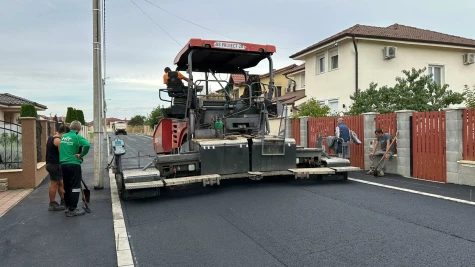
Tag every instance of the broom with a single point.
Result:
(86, 196)
(376, 171)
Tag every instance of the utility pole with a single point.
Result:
(97, 103)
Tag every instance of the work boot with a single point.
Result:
(380, 173)
(370, 172)
(54, 206)
(75, 212)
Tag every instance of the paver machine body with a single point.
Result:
(206, 140)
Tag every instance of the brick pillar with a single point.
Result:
(44, 138)
(304, 131)
(28, 145)
(404, 143)
(52, 125)
(454, 143)
(368, 136)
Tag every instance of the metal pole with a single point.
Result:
(97, 77)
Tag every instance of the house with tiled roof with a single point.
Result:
(10, 106)
(350, 60)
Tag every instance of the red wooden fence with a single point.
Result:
(388, 123)
(428, 145)
(296, 131)
(326, 127)
(469, 134)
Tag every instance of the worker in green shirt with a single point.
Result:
(72, 149)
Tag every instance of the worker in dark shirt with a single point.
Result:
(53, 167)
(385, 140)
(342, 132)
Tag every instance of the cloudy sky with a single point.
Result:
(46, 45)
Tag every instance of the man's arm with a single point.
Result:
(85, 145)
(56, 142)
(183, 77)
(337, 132)
(375, 146)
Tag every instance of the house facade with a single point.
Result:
(350, 60)
(10, 106)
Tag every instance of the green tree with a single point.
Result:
(313, 109)
(28, 110)
(137, 120)
(80, 116)
(70, 115)
(469, 97)
(154, 116)
(414, 91)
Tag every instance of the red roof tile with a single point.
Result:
(279, 70)
(237, 78)
(394, 32)
(298, 68)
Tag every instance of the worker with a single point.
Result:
(342, 133)
(165, 76)
(53, 167)
(385, 140)
(72, 149)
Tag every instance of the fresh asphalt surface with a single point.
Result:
(30, 235)
(296, 223)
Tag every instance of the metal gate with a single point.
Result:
(428, 159)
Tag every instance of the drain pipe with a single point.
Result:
(356, 65)
(293, 89)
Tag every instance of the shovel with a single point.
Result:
(376, 171)
(86, 196)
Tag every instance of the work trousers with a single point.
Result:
(377, 157)
(72, 177)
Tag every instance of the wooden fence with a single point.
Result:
(326, 126)
(429, 146)
(296, 131)
(469, 134)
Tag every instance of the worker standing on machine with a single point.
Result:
(342, 133)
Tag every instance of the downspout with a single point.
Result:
(293, 90)
(356, 65)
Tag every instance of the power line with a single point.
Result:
(189, 21)
(155, 22)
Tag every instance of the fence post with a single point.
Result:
(288, 128)
(369, 120)
(304, 131)
(454, 143)
(29, 153)
(44, 138)
(52, 125)
(404, 142)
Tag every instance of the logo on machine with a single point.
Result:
(229, 45)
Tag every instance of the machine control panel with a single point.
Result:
(118, 147)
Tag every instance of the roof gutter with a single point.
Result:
(356, 65)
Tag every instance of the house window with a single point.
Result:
(302, 80)
(333, 104)
(437, 72)
(320, 64)
(333, 54)
(322, 103)
(278, 91)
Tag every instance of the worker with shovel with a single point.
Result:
(387, 150)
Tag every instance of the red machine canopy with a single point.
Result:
(222, 56)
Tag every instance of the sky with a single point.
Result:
(46, 45)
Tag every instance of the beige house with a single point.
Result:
(350, 60)
(10, 106)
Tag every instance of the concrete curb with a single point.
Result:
(122, 245)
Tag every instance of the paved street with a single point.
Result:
(30, 235)
(300, 223)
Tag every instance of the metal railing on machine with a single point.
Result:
(10, 146)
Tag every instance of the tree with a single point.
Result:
(313, 109)
(137, 120)
(28, 110)
(80, 116)
(70, 115)
(414, 91)
(154, 116)
(469, 97)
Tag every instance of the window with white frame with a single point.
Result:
(320, 66)
(437, 72)
(333, 55)
(322, 103)
(302, 80)
(333, 104)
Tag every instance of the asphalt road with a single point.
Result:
(296, 223)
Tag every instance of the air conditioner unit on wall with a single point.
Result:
(469, 58)
(389, 52)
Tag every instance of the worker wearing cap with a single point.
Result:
(342, 132)
(165, 76)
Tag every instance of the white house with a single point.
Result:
(349, 60)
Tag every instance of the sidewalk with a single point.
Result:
(30, 235)
(447, 190)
